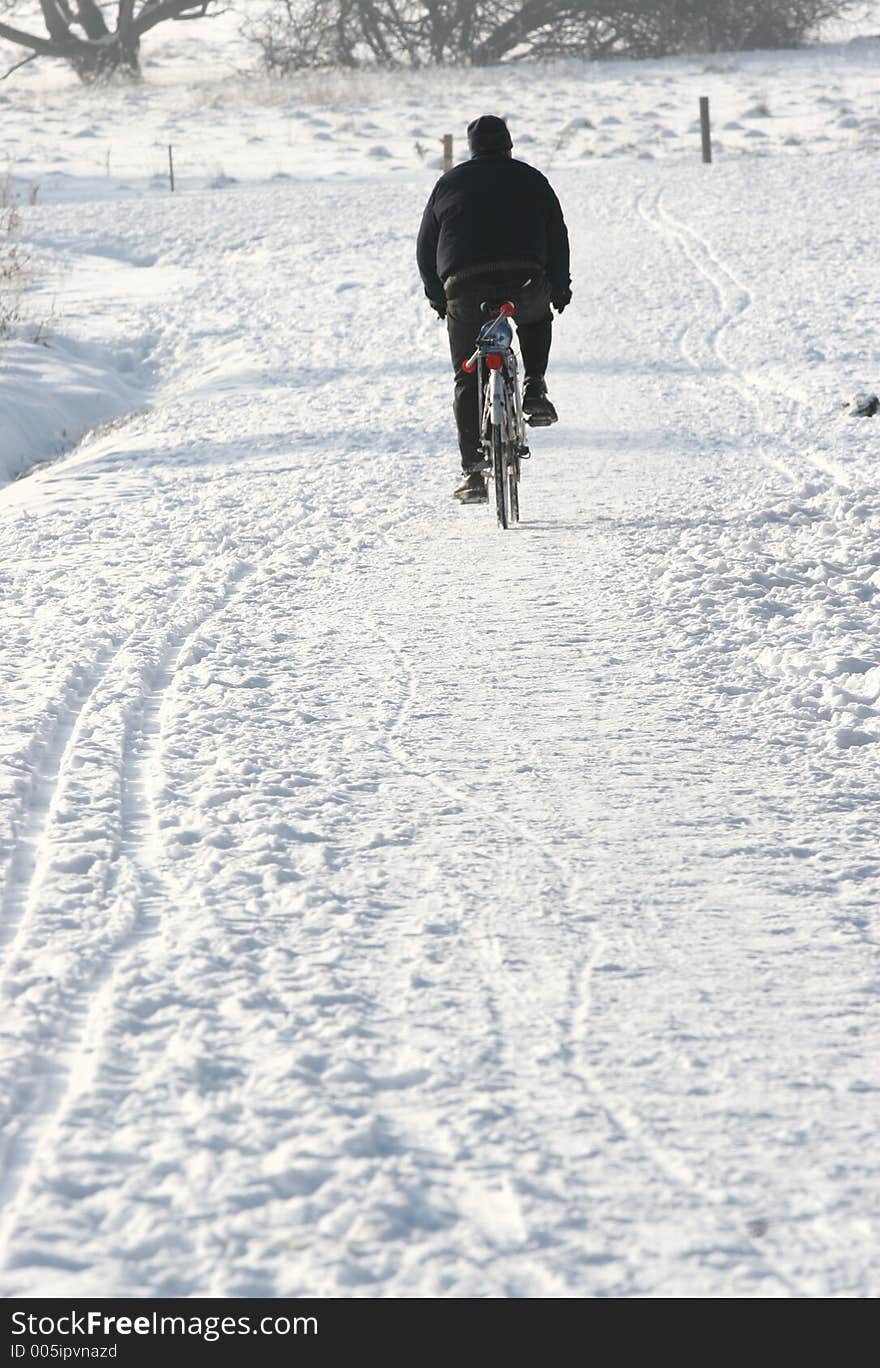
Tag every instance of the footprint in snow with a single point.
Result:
(847, 737)
(847, 665)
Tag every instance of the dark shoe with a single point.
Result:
(472, 488)
(536, 406)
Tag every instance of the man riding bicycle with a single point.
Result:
(492, 230)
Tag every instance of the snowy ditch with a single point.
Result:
(57, 386)
(53, 393)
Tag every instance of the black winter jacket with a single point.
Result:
(492, 209)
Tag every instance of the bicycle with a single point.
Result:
(499, 404)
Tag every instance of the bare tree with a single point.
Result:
(298, 34)
(77, 32)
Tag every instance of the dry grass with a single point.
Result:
(13, 261)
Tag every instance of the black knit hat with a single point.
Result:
(488, 134)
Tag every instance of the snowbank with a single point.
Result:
(53, 392)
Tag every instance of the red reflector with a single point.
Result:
(494, 361)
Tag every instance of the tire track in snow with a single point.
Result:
(676, 1172)
(735, 301)
(501, 987)
(492, 955)
(138, 893)
(572, 1024)
(835, 498)
(29, 861)
(619, 1113)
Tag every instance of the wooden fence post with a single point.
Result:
(171, 167)
(447, 151)
(705, 129)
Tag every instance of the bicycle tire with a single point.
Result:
(501, 442)
(499, 470)
(513, 489)
(513, 469)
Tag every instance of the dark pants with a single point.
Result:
(534, 325)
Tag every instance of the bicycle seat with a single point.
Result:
(491, 309)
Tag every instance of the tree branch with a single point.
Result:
(56, 25)
(24, 61)
(125, 17)
(92, 20)
(157, 12)
(41, 47)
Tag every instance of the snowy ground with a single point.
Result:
(396, 907)
(61, 141)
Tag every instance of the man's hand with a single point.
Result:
(439, 307)
(561, 300)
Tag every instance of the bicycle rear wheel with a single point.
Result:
(502, 442)
(499, 470)
(513, 489)
(512, 444)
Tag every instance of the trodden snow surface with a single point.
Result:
(395, 906)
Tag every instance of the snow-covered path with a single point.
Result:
(398, 907)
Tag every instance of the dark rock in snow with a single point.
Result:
(863, 405)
